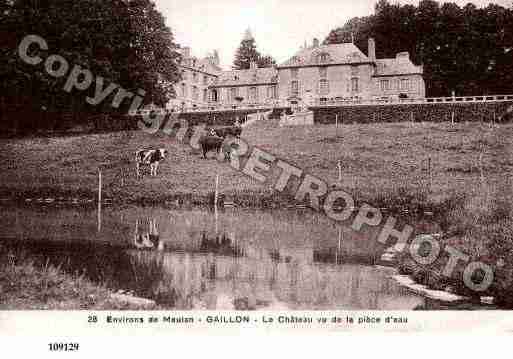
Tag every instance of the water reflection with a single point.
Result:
(147, 235)
(195, 260)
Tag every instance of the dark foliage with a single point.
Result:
(467, 50)
(124, 42)
(248, 53)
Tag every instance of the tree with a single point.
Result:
(124, 41)
(248, 53)
(467, 50)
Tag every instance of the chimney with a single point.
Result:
(253, 65)
(186, 51)
(315, 42)
(372, 50)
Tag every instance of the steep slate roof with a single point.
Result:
(266, 75)
(345, 53)
(348, 53)
(397, 66)
(203, 65)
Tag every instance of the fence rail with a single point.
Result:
(334, 102)
(428, 100)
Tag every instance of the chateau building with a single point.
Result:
(343, 72)
(315, 75)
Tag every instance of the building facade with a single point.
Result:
(246, 87)
(315, 75)
(342, 72)
(197, 75)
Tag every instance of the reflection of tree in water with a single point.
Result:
(147, 235)
(335, 256)
(220, 244)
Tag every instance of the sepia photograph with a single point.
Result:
(237, 158)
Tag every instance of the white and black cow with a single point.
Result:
(150, 158)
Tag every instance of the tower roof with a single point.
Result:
(248, 35)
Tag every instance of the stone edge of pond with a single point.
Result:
(126, 299)
(390, 258)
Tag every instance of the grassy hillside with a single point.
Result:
(376, 159)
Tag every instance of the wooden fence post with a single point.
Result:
(216, 196)
(99, 200)
(336, 125)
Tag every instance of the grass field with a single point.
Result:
(377, 160)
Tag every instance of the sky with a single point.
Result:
(279, 27)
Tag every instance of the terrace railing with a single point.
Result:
(333, 102)
(392, 101)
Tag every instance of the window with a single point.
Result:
(272, 92)
(323, 72)
(405, 84)
(354, 84)
(205, 80)
(234, 92)
(213, 95)
(205, 95)
(294, 73)
(184, 90)
(195, 93)
(324, 57)
(324, 87)
(253, 94)
(384, 85)
(294, 88)
(355, 70)
(184, 75)
(194, 77)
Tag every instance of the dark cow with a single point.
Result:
(224, 132)
(212, 143)
(150, 158)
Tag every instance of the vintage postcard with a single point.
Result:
(301, 166)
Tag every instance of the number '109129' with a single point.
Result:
(63, 347)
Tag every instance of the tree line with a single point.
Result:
(466, 50)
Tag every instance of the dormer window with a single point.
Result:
(323, 57)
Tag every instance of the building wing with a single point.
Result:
(254, 76)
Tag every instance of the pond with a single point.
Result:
(200, 259)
